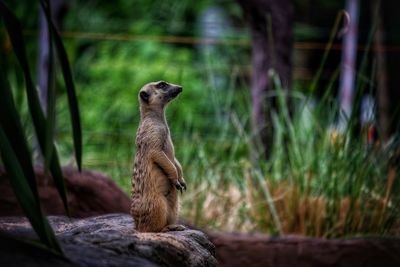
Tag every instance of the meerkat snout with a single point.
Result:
(175, 91)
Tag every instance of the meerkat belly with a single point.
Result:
(160, 181)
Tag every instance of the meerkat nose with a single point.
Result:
(180, 88)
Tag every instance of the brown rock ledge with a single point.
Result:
(106, 240)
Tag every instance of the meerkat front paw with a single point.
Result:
(182, 182)
(180, 185)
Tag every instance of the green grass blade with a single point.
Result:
(328, 48)
(51, 99)
(69, 84)
(14, 30)
(267, 194)
(25, 196)
(12, 127)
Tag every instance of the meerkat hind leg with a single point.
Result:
(174, 227)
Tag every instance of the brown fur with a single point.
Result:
(157, 174)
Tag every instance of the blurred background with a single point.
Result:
(288, 122)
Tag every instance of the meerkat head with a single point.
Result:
(157, 95)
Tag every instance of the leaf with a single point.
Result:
(51, 99)
(25, 196)
(14, 30)
(12, 127)
(69, 84)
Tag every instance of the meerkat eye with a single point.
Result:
(144, 96)
(162, 85)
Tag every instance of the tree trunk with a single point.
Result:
(271, 33)
(348, 65)
(381, 74)
(58, 8)
(390, 24)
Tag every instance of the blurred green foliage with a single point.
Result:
(109, 74)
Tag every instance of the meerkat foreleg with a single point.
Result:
(162, 160)
(180, 174)
(178, 167)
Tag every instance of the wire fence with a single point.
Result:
(193, 40)
(303, 73)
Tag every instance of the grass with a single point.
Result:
(318, 182)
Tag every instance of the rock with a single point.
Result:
(107, 240)
(89, 194)
(261, 250)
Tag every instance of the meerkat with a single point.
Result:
(157, 174)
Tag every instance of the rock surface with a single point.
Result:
(89, 194)
(265, 251)
(104, 241)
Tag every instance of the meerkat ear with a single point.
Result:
(144, 96)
